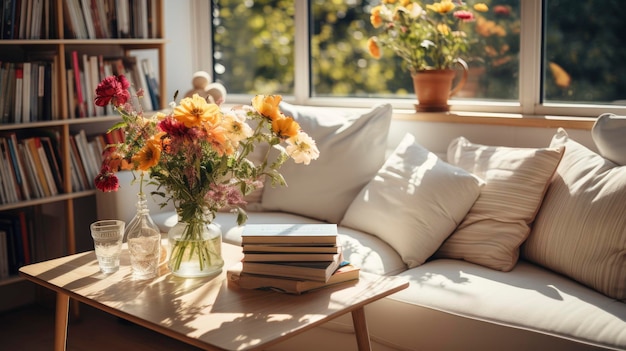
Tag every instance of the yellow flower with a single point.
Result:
(194, 111)
(405, 3)
(442, 7)
(481, 7)
(443, 28)
(149, 155)
(373, 48)
(375, 18)
(285, 127)
(267, 105)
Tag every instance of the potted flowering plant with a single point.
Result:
(430, 39)
(197, 155)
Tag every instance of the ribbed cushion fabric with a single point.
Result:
(580, 230)
(414, 202)
(516, 180)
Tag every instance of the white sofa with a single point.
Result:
(404, 211)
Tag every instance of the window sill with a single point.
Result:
(501, 119)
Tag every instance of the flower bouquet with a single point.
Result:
(197, 155)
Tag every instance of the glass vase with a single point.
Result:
(195, 248)
(144, 242)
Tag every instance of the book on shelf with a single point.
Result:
(32, 153)
(10, 95)
(36, 190)
(345, 273)
(4, 255)
(18, 164)
(17, 240)
(19, 87)
(81, 107)
(54, 159)
(308, 233)
(316, 270)
(78, 169)
(290, 248)
(9, 172)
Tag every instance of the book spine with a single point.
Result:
(4, 256)
(80, 102)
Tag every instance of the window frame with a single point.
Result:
(529, 105)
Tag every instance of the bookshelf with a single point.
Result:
(46, 37)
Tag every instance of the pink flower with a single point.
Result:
(464, 15)
(502, 10)
(112, 89)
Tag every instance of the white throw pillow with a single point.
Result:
(352, 148)
(414, 202)
(609, 135)
(580, 230)
(516, 180)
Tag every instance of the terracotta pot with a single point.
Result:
(433, 88)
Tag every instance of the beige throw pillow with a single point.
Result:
(580, 230)
(414, 202)
(516, 180)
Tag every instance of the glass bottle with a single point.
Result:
(144, 242)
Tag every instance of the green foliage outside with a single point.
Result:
(587, 41)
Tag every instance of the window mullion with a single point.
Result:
(301, 52)
(530, 56)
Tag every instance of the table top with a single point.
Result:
(206, 312)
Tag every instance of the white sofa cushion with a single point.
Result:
(609, 135)
(516, 180)
(352, 148)
(455, 305)
(580, 230)
(414, 202)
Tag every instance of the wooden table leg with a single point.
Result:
(60, 325)
(360, 329)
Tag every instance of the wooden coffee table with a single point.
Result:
(205, 312)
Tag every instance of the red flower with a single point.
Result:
(112, 89)
(174, 128)
(107, 180)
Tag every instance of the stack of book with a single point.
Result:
(291, 258)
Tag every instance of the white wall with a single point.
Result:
(179, 49)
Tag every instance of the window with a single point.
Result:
(584, 55)
(573, 68)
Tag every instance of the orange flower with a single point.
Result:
(285, 127)
(375, 18)
(194, 111)
(373, 48)
(561, 77)
(267, 105)
(149, 155)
